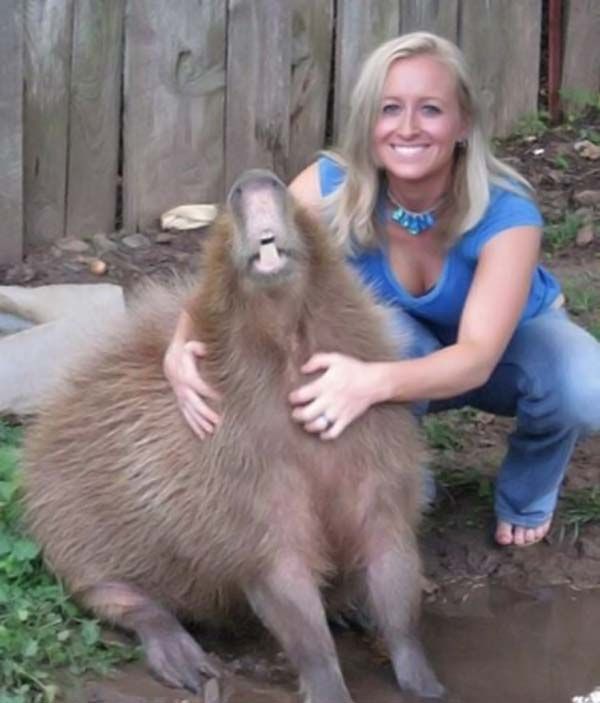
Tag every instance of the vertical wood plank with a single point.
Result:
(94, 117)
(312, 43)
(11, 132)
(259, 59)
(437, 16)
(48, 31)
(174, 106)
(581, 64)
(501, 41)
(361, 26)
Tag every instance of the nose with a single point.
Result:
(254, 181)
(408, 123)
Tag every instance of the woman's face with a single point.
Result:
(419, 122)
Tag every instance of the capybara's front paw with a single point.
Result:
(179, 661)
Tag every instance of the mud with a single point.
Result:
(488, 644)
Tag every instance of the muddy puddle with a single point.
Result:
(488, 645)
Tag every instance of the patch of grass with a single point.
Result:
(41, 630)
(466, 481)
(561, 162)
(591, 135)
(583, 298)
(580, 507)
(441, 433)
(533, 124)
(560, 235)
(594, 329)
(577, 101)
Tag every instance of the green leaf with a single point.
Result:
(25, 550)
(90, 632)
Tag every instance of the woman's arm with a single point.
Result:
(306, 188)
(492, 311)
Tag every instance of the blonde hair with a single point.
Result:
(351, 208)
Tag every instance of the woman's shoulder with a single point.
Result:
(514, 202)
(318, 180)
(509, 206)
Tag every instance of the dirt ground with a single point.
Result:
(457, 546)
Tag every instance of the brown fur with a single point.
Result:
(119, 489)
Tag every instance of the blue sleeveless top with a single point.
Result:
(440, 307)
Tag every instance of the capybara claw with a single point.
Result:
(180, 662)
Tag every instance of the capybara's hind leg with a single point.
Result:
(172, 654)
(288, 602)
(393, 585)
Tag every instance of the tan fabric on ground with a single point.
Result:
(62, 316)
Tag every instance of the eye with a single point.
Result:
(431, 110)
(390, 108)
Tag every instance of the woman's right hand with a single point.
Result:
(179, 366)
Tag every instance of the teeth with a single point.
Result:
(408, 149)
(268, 255)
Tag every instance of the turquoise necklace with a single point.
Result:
(413, 222)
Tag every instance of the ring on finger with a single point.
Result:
(326, 421)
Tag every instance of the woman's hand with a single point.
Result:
(179, 366)
(344, 391)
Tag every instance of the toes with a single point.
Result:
(520, 536)
(504, 533)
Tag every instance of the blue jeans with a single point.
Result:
(549, 380)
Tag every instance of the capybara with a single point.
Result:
(148, 525)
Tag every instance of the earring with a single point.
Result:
(462, 144)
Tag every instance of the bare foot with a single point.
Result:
(507, 534)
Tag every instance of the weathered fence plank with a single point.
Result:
(259, 60)
(501, 41)
(48, 30)
(438, 16)
(174, 106)
(581, 65)
(361, 26)
(312, 27)
(94, 121)
(11, 132)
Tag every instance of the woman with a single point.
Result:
(449, 238)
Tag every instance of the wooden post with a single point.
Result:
(48, 34)
(554, 58)
(361, 27)
(11, 132)
(94, 121)
(312, 42)
(174, 106)
(259, 61)
(501, 42)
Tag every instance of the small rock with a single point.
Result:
(587, 197)
(585, 235)
(97, 267)
(513, 161)
(136, 241)
(588, 548)
(73, 245)
(538, 152)
(164, 238)
(102, 242)
(587, 149)
(19, 273)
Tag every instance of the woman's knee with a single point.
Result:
(561, 374)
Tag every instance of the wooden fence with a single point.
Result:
(129, 107)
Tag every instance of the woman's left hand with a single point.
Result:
(344, 391)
